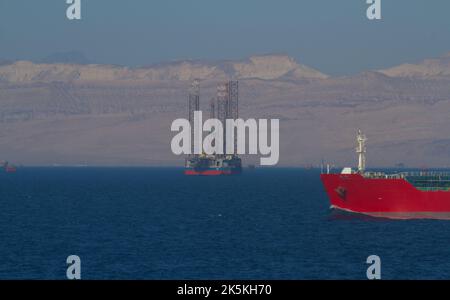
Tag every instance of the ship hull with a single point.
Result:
(380, 197)
(211, 172)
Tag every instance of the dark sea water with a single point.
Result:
(147, 223)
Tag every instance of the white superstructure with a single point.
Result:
(361, 151)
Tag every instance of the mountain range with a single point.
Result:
(267, 67)
(66, 113)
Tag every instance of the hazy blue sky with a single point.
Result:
(330, 35)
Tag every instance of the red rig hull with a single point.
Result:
(219, 172)
(381, 197)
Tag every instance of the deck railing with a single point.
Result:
(401, 175)
(423, 180)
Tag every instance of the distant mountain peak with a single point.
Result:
(273, 66)
(427, 68)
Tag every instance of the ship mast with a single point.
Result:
(361, 151)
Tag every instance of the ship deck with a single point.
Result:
(424, 180)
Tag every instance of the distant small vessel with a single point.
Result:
(9, 168)
(402, 195)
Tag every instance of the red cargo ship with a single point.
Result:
(401, 195)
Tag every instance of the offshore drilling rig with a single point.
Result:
(224, 106)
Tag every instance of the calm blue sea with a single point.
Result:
(149, 223)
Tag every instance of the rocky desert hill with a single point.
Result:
(59, 113)
(429, 67)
